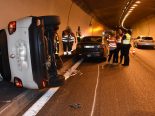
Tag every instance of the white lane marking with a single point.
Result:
(40, 103)
(94, 101)
(36, 107)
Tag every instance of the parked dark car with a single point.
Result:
(144, 41)
(92, 46)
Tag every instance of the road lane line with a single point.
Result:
(94, 101)
(36, 107)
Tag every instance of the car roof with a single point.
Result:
(144, 36)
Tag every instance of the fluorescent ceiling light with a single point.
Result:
(135, 5)
(138, 2)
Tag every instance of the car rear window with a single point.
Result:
(147, 38)
(92, 39)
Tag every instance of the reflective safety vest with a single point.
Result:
(68, 38)
(112, 44)
(119, 40)
(128, 39)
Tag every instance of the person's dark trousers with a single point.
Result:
(118, 49)
(65, 44)
(122, 53)
(115, 56)
(70, 44)
(111, 54)
(126, 54)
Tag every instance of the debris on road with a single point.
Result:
(75, 106)
(75, 72)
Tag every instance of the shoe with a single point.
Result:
(108, 63)
(65, 53)
(115, 63)
(69, 53)
(125, 64)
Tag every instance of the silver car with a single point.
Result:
(144, 41)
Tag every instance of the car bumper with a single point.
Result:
(92, 54)
(146, 44)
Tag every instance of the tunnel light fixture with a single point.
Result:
(138, 2)
(135, 5)
(129, 11)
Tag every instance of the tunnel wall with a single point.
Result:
(73, 16)
(145, 27)
(16, 9)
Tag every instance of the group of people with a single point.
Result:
(119, 43)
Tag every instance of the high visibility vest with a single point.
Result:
(128, 39)
(119, 40)
(112, 44)
(68, 38)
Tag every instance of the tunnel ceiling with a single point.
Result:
(110, 12)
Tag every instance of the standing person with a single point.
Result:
(56, 43)
(68, 38)
(126, 40)
(112, 47)
(119, 35)
(78, 34)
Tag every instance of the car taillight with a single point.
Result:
(18, 82)
(44, 83)
(12, 27)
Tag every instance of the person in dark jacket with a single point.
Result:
(119, 35)
(126, 40)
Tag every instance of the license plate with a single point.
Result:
(88, 46)
(88, 55)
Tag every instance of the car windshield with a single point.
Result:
(92, 39)
(147, 38)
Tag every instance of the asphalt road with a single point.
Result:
(8, 92)
(101, 89)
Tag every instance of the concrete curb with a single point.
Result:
(22, 100)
